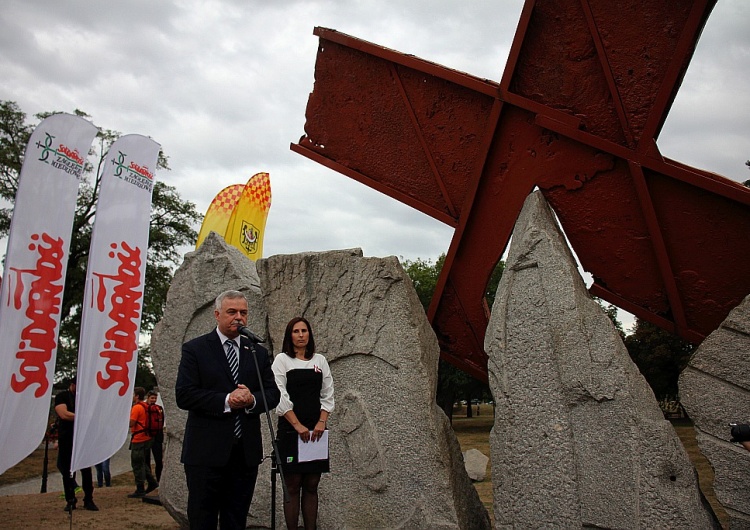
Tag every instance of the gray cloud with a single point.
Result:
(223, 87)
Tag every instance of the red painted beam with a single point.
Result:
(586, 89)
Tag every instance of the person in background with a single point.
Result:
(103, 476)
(65, 407)
(140, 445)
(220, 387)
(157, 447)
(306, 386)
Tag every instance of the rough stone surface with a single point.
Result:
(395, 461)
(578, 439)
(715, 390)
(475, 463)
(204, 274)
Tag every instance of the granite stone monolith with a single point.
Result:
(395, 461)
(578, 440)
(715, 391)
(204, 274)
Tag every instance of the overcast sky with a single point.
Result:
(223, 86)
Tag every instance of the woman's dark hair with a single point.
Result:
(288, 345)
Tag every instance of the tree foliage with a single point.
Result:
(424, 275)
(453, 384)
(172, 225)
(659, 355)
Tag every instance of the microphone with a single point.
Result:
(245, 332)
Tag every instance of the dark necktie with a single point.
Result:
(234, 365)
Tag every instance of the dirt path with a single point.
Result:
(23, 507)
(44, 511)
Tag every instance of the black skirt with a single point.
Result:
(303, 387)
(287, 442)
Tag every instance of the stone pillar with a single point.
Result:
(212, 269)
(395, 461)
(578, 440)
(715, 390)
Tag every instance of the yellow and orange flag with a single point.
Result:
(219, 211)
(239, 213)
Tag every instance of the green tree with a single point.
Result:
(171, 226)
(424, 275)
(659, 355)
(144, 373)
(452, 382)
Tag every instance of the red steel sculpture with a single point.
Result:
(585, 92)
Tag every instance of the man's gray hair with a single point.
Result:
(232, 295)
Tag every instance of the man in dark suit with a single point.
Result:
(217, 383)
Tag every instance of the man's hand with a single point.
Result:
(241, 397)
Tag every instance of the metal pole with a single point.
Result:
(274, 469)
(277, 457)
(44, 465)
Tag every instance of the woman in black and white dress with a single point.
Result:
(304, 379)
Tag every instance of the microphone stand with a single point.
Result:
(276, 455)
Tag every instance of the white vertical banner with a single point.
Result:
(34, 279)
(113, 301)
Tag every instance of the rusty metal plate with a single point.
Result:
(586, 90)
